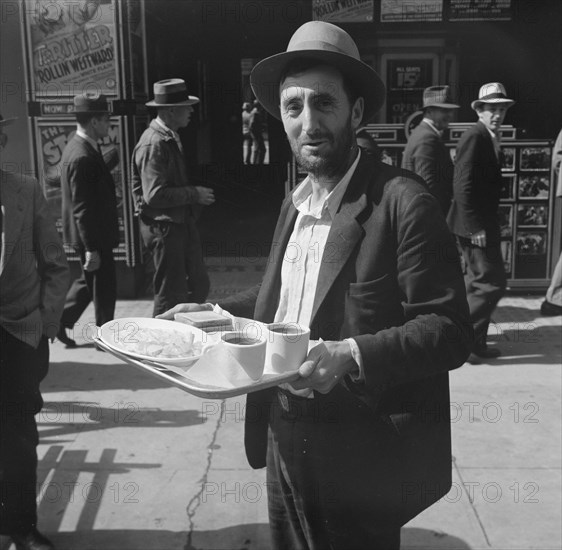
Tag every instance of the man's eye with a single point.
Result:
(324, 103)
(292, 107)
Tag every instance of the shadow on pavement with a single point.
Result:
(61, 487)
(59, 418)
(524, 337)
(119, 540)
(412, 538)
(239, 537)
(70, 375)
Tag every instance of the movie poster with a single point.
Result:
(480, 10)
(406, 80)
(342, 11)
(409, 11)
(73, 47)
(52, 135)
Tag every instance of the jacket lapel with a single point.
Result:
(13, 207)
(344, 234)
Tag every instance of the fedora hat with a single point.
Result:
(438, 96)
(90, 102)
(171, 92)
(493, 92)
(6, 121)
(327, 44)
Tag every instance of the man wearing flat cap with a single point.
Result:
(33, 283)
(425, 152)
(89, 215)
(473, 216)
(164, 200)
(360, 442)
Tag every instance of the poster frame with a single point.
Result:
(28, 7)
(121, 252)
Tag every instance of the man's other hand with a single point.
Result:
(324, 366)
(93, 261)
(206, 195)
(184, 308)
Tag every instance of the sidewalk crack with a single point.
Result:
(474, 510)
(195, 501)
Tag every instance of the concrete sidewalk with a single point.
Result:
(128, 463)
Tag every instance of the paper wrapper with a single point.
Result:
(218, 367)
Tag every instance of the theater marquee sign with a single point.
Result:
(72, 46)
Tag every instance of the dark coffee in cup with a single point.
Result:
(240, 340)
(287, 330)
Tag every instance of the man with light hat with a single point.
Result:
(360, 442)
(89, 215)
(425, 152)
(473, 216)
(164, 199)
(33, 283)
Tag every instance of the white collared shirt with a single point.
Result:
(303, 257)
(91, 141)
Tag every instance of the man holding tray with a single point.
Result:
(360, 443)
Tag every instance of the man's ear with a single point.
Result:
(357, 113)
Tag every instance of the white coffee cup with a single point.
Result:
(287, 346)
(248, 350)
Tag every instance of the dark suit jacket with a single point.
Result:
(33, 270)
(390, 277)
(89, 206)
(427, 156)
(476, 185)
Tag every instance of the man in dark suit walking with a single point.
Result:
(360, 443)
(473, 216)
(89, 215)
(425, 153)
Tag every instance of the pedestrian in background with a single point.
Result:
(552, 303)
(247, 140)
(473, 216)
(360, 443)
(257, 127)
(164, 200)
(425, 153)
(33, 282)
(89, 215)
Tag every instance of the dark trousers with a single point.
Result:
(309, 514)
(22, 368)
(99, 286)
(258, 155)
(180, 274)
(485, 282)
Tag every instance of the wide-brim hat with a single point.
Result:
(493, 92)
(327, 44)
(171, 92)
(438, 96)
(7, 121)
(91, 102)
